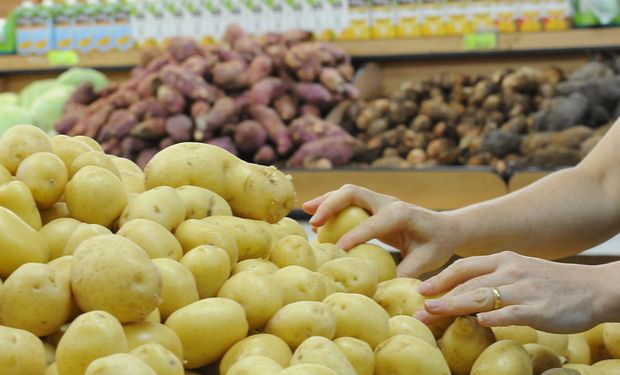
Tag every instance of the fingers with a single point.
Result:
(479, 300)
(310, 206)
(509, 315)
(375, 226)
(421, 260)
(332, 203)
(457, 273)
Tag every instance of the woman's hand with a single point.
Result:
(425, 238)
(548, 296)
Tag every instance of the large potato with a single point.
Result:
(296, 322)
(408, 325)
(162, 205)
(201, 202)
(354, 275)
(358, 353)
(341, 223)
(321, 351)
(119, 364)
(324, 252)
(19, 142)
(253, 237)
(210, 266)
(521, 334)
(578, 349)
(88, 189)
(264, 345)
(21, 352)
(125, 165)
(62, 270)
(133, 182)
(287, 226)
(598, 350)
(93, 158)
(207, 329)
(506, 357)
(57, 233)
(255, 365)
(542, 357)
(5, 175)
(400, 296)
(556, 342)
(254, 264)
(404, 355)
(36, 299)
(360, 317)
(153, 238)
(144, 332)
(379, 257)
(57, 211)
(258, 292)
(68, 148)
(81, 233)
(51, 370)
(580, 368)
(611, 338)
(463, 342)
(45, 175)
(16, 197)
(19, 243)
(111, 273)
(92, 335)
(178, 286)
(300, 284)
(88, 141)
(253, 191)
(193, 233)
(293, 250)
(606, 367)
(307, 369)
(158, 358)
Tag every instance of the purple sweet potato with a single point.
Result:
(200, 65)
(124, 98)
(179, 128)
(310, 128)
(346, 70)
(224, 142)
(148, 86)
(165, 142)
(232, 33)
(66, 123)
(250, 136)
(266, 90)
(147, 108)
(332, 79)
(145, 156)
(266, 155)
(286, 108)
(247, 47)
(119, 124)
(230, 75)
(91, 123)
(187, 83)
(171, 99)
(338, 150)
(84, 94)
(310, 110)
(260, 67)
(151, 128)
(112, 147)
(223, 111)
(271, 122)
(296, 36)
(182, 48)
(313, 93)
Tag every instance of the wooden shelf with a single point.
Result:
(520, 180)
(100, 60)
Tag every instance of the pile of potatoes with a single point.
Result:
(192, 267)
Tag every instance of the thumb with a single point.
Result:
(419, 261)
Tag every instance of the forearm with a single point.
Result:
(607, 286)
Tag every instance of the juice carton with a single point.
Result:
(591, 13)
(433, 21)
(34, 28)
(86, 28)
(482, 19)
(458, 21)
(172, 20)
(106, 22)
(407, 19)
(231, 14)
(557, 15)
(359, 21)
(64, 26)
(531, 12)
(383, 26)
(137, 21)
(153, 22)
(506, 14)
(340, 16)
(209, 21)
(121, 29)
(252, 12)
(332, 19)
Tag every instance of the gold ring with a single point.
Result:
(497, 299)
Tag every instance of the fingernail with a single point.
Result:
(482, 317)
(312, 220)
(432, 305)
(424, 287)
(420, 315)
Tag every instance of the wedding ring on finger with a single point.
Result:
(497, 299)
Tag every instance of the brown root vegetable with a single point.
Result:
(84, 94)
(187, 83)
(91, 123)
(416, 157)
(147, 108)
(131, 147)
(338, 150)
(170, 99)
(307, 129)
(222, 112)
(148, 86)
(296, 36)
(182, 48)
(119, 124)
(571, 137)
(150, 128)
(224, 142)
(165, 142)
(271, 122)
(310, 110)
(66, 123)
(112, 147)
(266, 90)
(230, 75)
(266, 155)
(247, 47)
(332, 79)
(346, 70)
(250, 136)
(232, 33)
(179, 128)
(390, 162)
(551, 157)
(501, 143)
(313, 93)
(145, 156)
(286, 108)
(260, 67)
(200, 65)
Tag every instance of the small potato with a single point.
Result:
(359, 354)
(154, 316)
(163, 205)
(403, 355)
(207, 329)
(360, 317)
(561, 371)
(57, 211)
(19, 142)
(287, 226)
(201, 202)
(50, 353)
(379, 257)
(611, 338)
(341, 223)
(153, 238)
(86, 191)
(254, 264)
(119, 364)
(556, 342)
(5, 175)
(143, 332)
(255, 365)
(293, 250)
(62, 270)
(16, 196)
(111, 273)
(580, 368)
(463, 342)
(321, 351)
(408, 325)
(578, 349)
(19, 243)
(264, 345)
(158, 358)
(521, 334)
(36, 299)
(45, 175)
(543, 358)
(307, 369)
(178, 286)
(296, 322)
(88, 141)
(193, 233)
(51, 370)
(324, 252)
(253, 237)
(57, 233)
(258, 292)
(132, 182)
(81, 233)
(331, 286)
(125, 165)
(607, 367)
(93, 158)
(503, 357)
(21, 352)
(210, 266)
(598, 350)
(92, 335)
(353, 274)
(400, 296)
(300, 284)
(68, 148)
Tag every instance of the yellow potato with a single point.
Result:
(56, 233)
(331, 286)
(506, 357)
(154, 316)
(400, 296)
(57, 211)
(210, 266)
(132, 182)
(21, 352)
(580, 368)
(92, 335)
(561, 371)
(51, 370)
(178, 286)
(158, 358)
(578, 349)
(193, 233)
(144, 332)
(408, 325)
(253, 237)
(201, 202)
(463, 342)
(264, 345)
(125, 165)
(88, 141)
(360, 317)
(542, 357)
(354, 275)
(557, 343)
(611, 338)
(253, 191)
(379, 257)
(341, 223)
(55, 337)
(153, 238)
(307, 369)
(88, 189)
(321, 351)
(594, 336)
(5, 175)
(36, 299)
(254, 264)
(93, 158)
(358, 353)
(324, 252)
(293, 250)
(50, 353)
(62, 270)
(67, 148)
(112, 273)
(300, 284)
(287, 226)
(255, 365)
(607, 367)
(45, 175)
(298, 321)
(521, 334)
(16, 197)
(402, 354)
(81, 233)
(163, 205)
(119, 364)
(258, 292)
(19, 243)
(19, 142)
(207, 329)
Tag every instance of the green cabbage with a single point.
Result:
(76, 76)
(47, 109)
(11, 116)
(34, 90)
(9, 98)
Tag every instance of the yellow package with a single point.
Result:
(382, 19)
(556, 15)
(359, 21)
(432, 17)
(506, 16)
(458, 20)
(481, 15)
(407, 19)
(531, 15)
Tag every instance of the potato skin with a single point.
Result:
(403, 355)
(46, 176)
(153, 238)
(19, 243)
(399, 296)
(463, 342)
(21, 352)
(19, 142)
(503, 357)
(341, 223)
(252, 236)
(262, 344)
(145, 332)
(201, 202)
(322, 351)
(119, 364)
(297, 321)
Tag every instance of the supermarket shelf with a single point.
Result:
(99, 60)
(521, 179)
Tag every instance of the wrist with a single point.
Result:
(606, 285)
(455, 225)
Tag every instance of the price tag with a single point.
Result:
(63, 58)
(479, 41)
